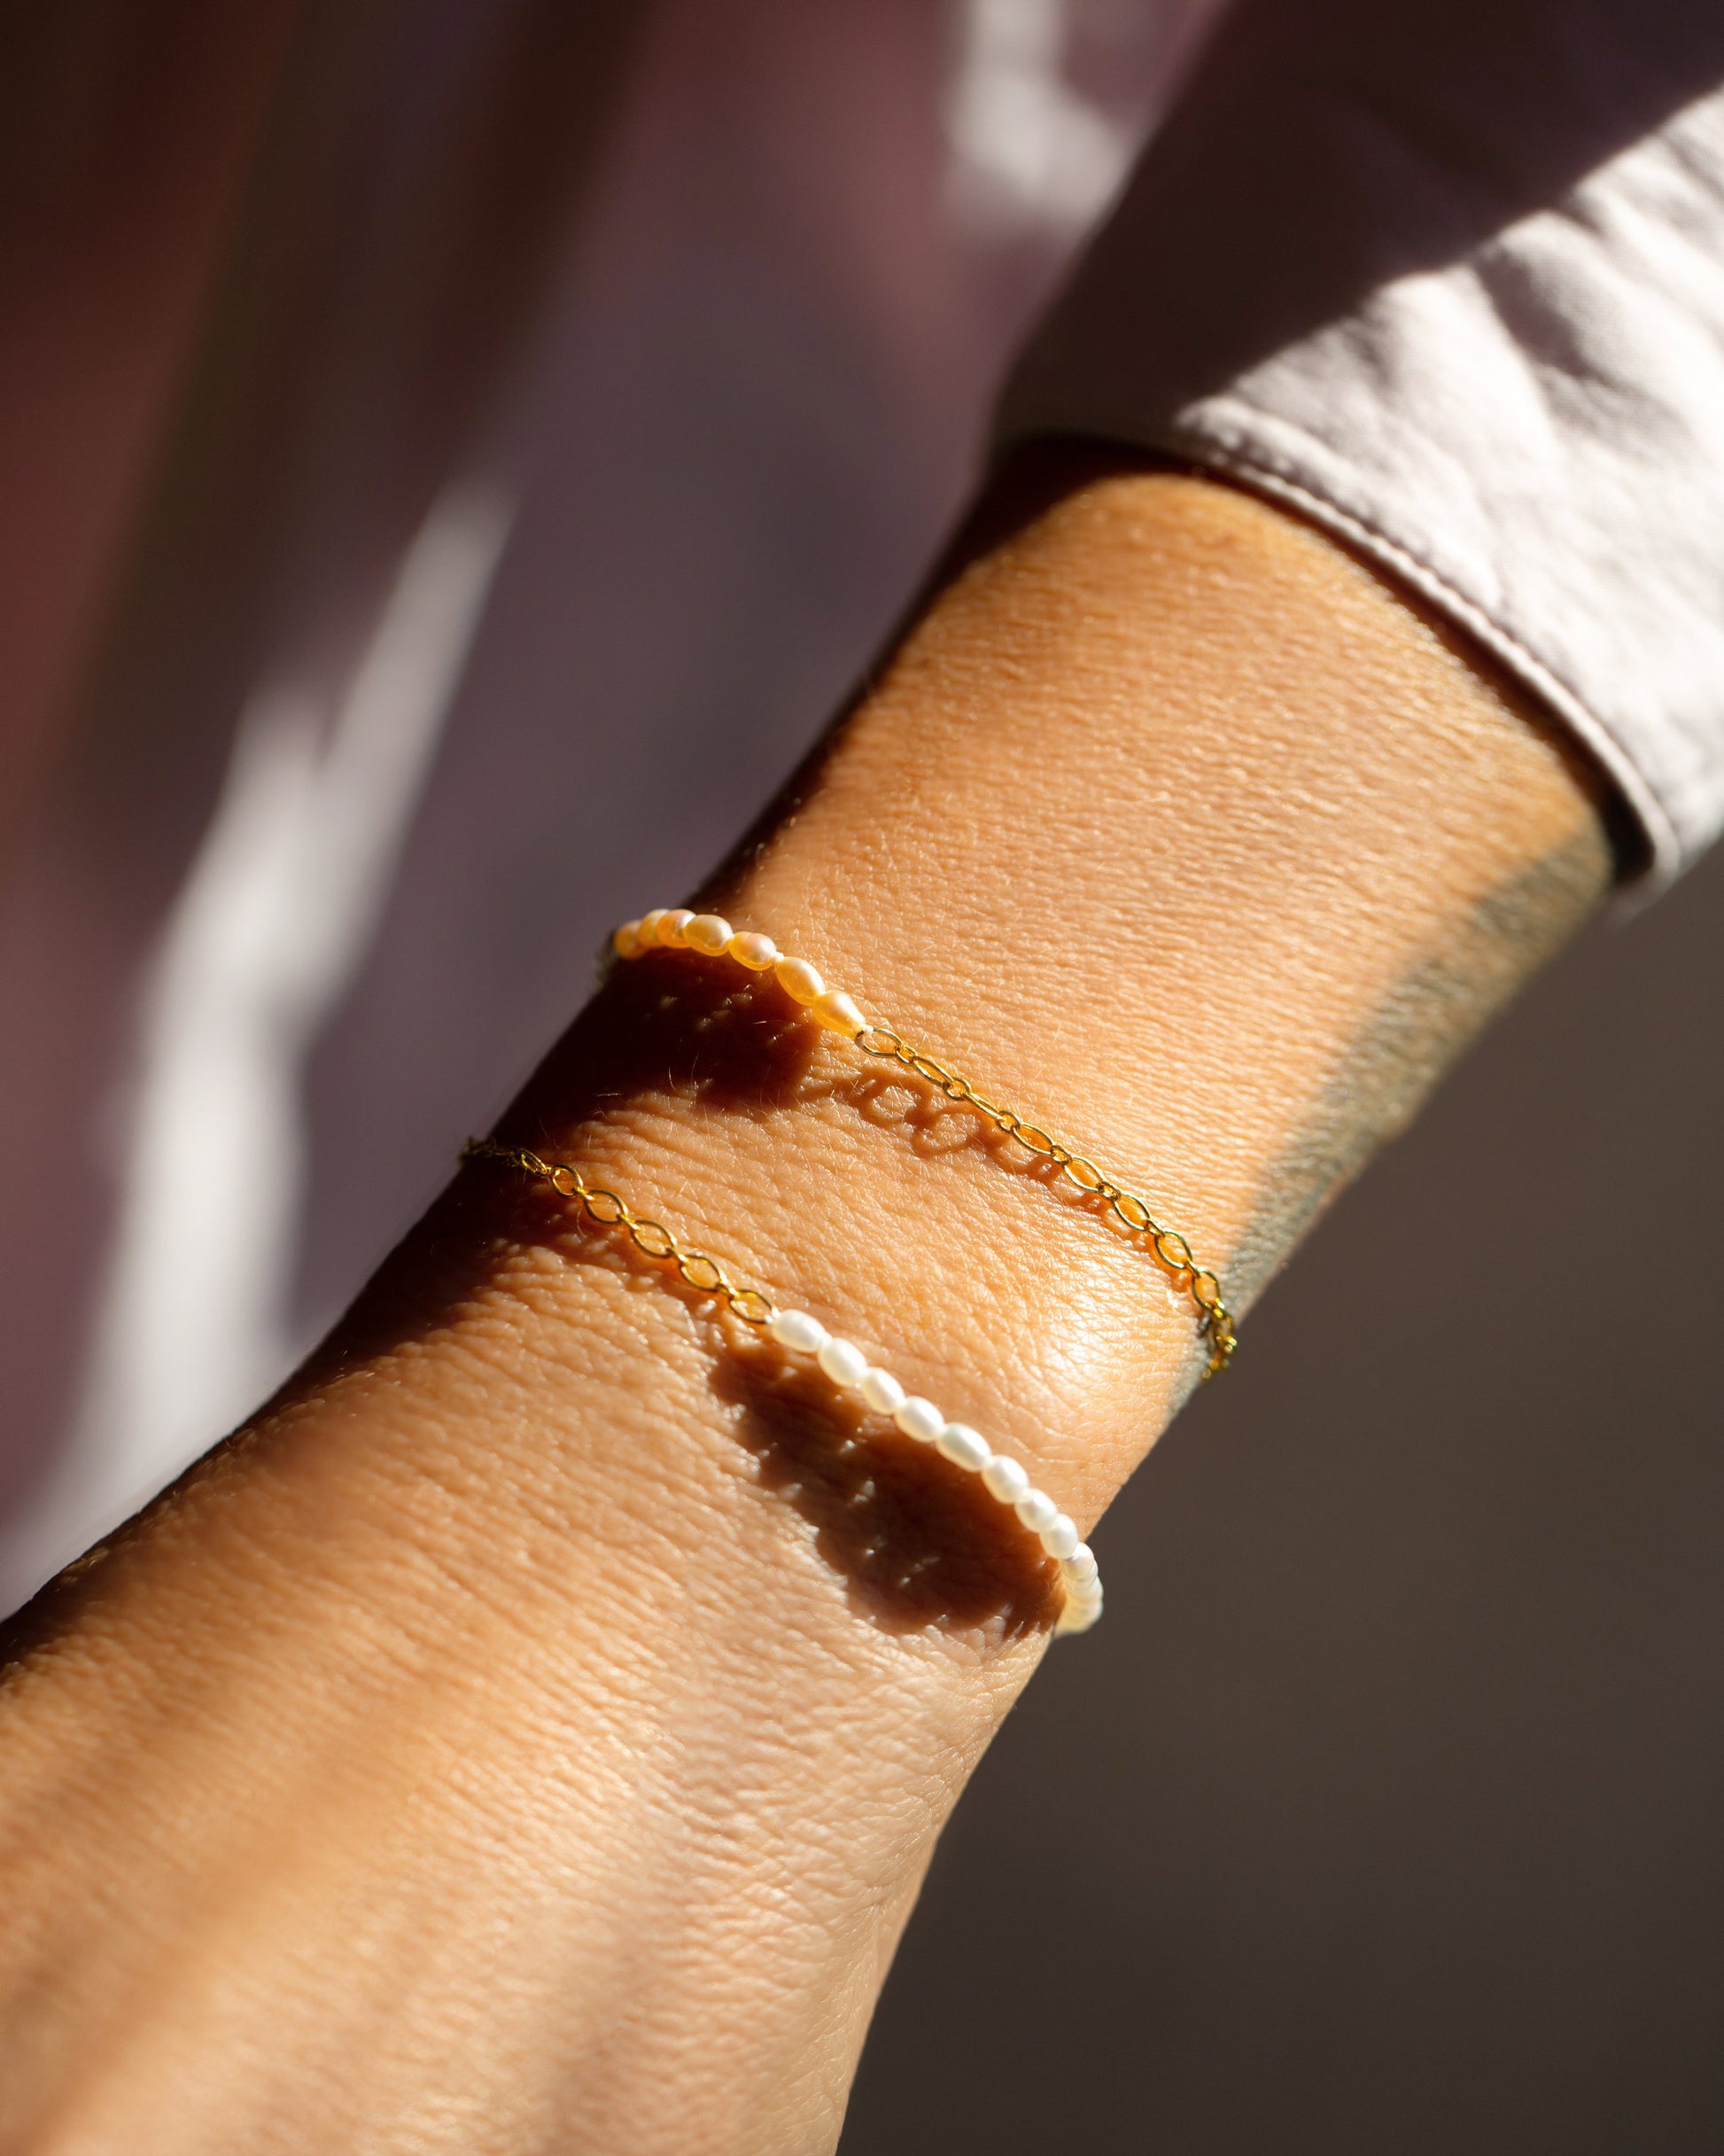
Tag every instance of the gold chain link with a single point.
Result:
(1168, 1247)
(651, 1237)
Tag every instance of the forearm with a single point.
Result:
(547, 1621)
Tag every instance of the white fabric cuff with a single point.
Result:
(1454, 288)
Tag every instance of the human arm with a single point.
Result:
(525, 1737)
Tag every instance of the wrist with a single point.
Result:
(1303, 896)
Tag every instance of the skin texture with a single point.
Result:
(531, 1733)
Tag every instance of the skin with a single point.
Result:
(531, 1733)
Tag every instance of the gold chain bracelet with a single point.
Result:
(651, 1237)
(677, 927)
(1005, 1480)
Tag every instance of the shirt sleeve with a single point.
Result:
(1450, 281)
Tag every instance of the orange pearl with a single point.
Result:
(798, 979)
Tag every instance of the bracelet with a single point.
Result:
(677, 928)
(841, 1361)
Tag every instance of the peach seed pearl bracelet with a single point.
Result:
(677, 927)
(846, 1365)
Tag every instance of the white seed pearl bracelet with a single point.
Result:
(1004, 1479)
(845, 1364)
(680, 927)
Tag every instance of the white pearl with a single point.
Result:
(837, 1012)
(1078, 1616)
(707, 933)
(672, 926)
(882, 1392)
(796, 1330)
(1037, 1510)
(965, 1447)
(843, 1362)
(920, 1418)
(798, 979)
(756, 953)
(1081, 1565)
(1006, 1479)
(1060, 1537)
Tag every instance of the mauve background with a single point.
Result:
(1382, 1813)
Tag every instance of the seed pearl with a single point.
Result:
(798, 979)
(646, 930)
(843, 1362)
(1006, 1479)
(756, 953)
(1081, 1565)
(836, 1012)
(672, 924)
(882, 1391)
(1037, 1510)
(1059, 1537)
(626, 940)
(966, 1447)
(920, 1418)
(707, 933)
(795, 1329)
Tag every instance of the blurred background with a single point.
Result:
(457, 454)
